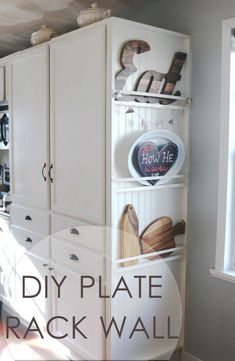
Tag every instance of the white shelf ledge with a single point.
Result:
(182, 182)
(123, 97)
(149, 188)
(149, 95)
(147, 255)
(139, 179)
(148, 263)
(131, 103)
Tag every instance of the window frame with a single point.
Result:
(224, 261)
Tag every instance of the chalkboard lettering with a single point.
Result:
(151, 160)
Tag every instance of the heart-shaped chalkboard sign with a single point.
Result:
(156, 154)
(151, 160)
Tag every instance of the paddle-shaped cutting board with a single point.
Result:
(160, 235)
(129, 235)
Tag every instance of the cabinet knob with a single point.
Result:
(73, 257)
(45, 264)
(50, 268)
(74, 231)
(28, 218)
(28, 239)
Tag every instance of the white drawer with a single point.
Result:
(35, 221)
(59, 223)
(91, 237)
(76, 258)
(30, 242)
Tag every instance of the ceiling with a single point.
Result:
(19, 18)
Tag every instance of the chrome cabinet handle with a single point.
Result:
(28, 218)
(28, 239)
(51, 167)
(74, 231)
(73, 257)
(43, 169)
(50, 268)
(45, 264)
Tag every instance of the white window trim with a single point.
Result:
(223, 265)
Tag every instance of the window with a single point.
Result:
(225, 247)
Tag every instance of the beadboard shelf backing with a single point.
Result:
(130, 120)
(127, 127)
(149, 206)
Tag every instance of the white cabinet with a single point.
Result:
(29, 108)
(84, 147)
(78, 124)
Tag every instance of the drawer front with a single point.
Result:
(30, 242)
(59, 223)
(87, 236)
(77, 258)
(35, 221)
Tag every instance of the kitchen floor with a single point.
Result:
(31, 348)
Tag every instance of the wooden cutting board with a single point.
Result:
(160, 235)
(129, 226)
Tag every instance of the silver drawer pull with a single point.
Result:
(74, 231)
(73, 257)
(28, 218)
(28, 240)
(51, 268)
(45, 264)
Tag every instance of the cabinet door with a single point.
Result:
(29, 73)
(34, 270)
(78, 124)
(69, 305)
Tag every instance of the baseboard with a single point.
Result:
(189, 357)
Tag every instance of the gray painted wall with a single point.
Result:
(210, 326)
